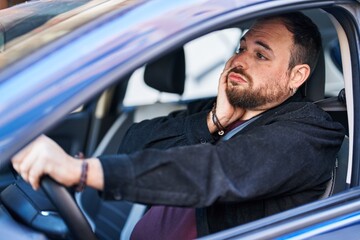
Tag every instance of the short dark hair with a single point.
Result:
(306, 38)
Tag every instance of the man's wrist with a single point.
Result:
(87, 172)
(210, 124)
(83, 176)
(95, 178)
(214, 124)
(219, 127)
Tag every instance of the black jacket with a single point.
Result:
(281, 160)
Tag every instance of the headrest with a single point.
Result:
(314, 88)
(167, 74)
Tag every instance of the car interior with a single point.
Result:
(98, 126)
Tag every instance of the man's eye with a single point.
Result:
(260, 56)
(240, 50)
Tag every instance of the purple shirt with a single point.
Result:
(170, 223)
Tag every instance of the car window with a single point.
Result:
(31, 25)
(205, 58)
(207, 55)
(334, 77)
(334, 80)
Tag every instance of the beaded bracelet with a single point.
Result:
(83, 177)
(220, 128)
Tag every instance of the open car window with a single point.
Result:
(205, 58)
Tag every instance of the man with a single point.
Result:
(265, 149)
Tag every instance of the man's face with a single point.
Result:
(259, 77)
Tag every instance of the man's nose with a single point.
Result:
(241, 60)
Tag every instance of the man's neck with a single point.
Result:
(250, 114)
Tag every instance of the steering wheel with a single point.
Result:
(68, 209)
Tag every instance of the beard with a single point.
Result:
(250, 98)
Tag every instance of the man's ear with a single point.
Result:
(298, 75)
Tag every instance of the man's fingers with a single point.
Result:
(16, 166)
(229, 62)
(23, 153)
(34, 175)
(43, 156)
(24, 164)
(23, 156)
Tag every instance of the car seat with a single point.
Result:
(314, 89)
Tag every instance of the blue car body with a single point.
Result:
(40, 88)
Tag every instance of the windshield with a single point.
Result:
(31, 25)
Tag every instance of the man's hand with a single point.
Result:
(44, 157)
(225, 112)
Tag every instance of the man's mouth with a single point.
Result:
(236, 78)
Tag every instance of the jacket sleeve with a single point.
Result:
(180, 128)
(288, 154)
